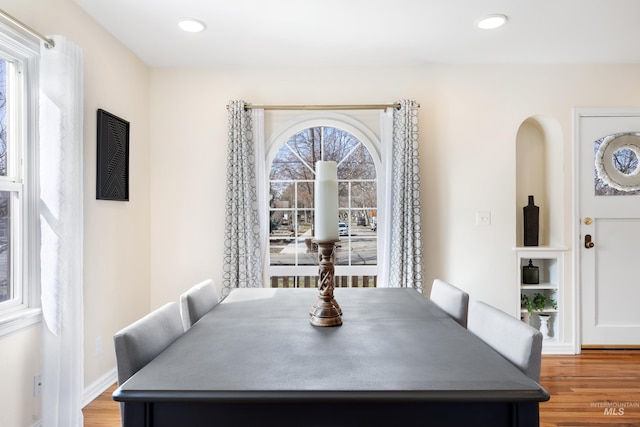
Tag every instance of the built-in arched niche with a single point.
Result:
(539, 173)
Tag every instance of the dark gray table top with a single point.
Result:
(394, 344)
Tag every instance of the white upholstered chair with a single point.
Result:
(197, 301)
(516, 341)
(452, 300)
(139, 343)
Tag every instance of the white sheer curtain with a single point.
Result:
(400, 242)
(61, 218)
(245, 233)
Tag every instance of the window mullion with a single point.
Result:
(295, 220)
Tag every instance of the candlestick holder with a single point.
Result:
(326, 311)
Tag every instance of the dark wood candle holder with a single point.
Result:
(326, 311)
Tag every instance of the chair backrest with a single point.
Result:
(139, 343)
(452, 300)
(516, 341)
(197, 301)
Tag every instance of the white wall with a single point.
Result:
(117, 234)
(469, 120)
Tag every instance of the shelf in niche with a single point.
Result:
(546, 310)
(549, 260)
(539, 249)
(541, 287)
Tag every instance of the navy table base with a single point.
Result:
(334, 414)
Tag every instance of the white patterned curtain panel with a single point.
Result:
(61, 223)
(243, 262)
(406, 264)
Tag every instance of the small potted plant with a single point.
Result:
(538, 304)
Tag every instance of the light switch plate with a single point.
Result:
(483, 218)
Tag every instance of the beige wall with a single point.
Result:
(188, 154)
(21, 360)
(116, 244)
(469, 118)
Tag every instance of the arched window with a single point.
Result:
(293, 259)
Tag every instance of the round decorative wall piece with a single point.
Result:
(617, 161)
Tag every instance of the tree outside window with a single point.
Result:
(291, 200)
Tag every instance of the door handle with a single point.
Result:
(587, 241)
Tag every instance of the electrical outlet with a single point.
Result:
(483, 218)
(37, 385)
(98, 346)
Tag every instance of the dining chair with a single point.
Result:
(516, 341)
(452, 300)
(197, 301)
(140, 342)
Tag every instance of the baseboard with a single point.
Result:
(611, 346)
(550, 347)
(98, 387)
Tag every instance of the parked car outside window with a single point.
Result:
(343, 229)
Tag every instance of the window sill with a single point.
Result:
(16, 321)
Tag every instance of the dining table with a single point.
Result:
(396, 360)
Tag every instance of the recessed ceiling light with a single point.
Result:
(191, 25)
(492, 21)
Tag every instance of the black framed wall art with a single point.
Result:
(112, 181)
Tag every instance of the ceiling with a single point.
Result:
(313, 33)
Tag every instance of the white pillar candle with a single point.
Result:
(326, 201)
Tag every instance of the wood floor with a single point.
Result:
(103, 411)
(595, 388)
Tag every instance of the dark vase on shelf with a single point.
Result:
(530, 274)
(531, 223)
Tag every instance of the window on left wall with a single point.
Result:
(19, 243)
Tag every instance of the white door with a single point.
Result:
(609, 230)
